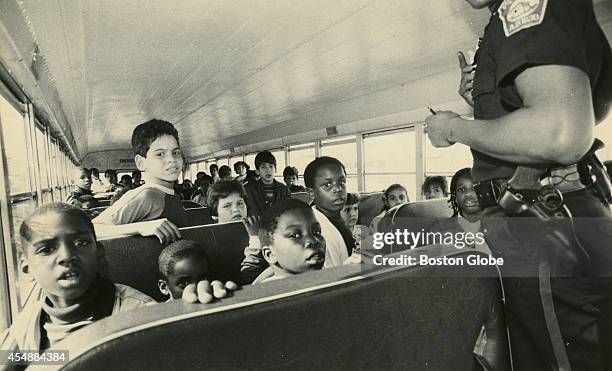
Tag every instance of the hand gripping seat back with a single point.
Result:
(132, 260)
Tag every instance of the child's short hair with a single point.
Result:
(25, 231)
(177, 251)
(264, 157)
(95, 172)
(393, 187)
(290, 171)
(351, 199)
(225, 171)
(145, 134)
(239, 163)
(213, 167)
(269, 219)
(111, 174)
(221, 190)
(311, 170)
(433, 180)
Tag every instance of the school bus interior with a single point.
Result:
(349, 79)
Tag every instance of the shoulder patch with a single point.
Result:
(517, 15)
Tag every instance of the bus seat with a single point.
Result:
(370, 205)
(350, 317)
(414, 217)
(199, 216)
(98, 209)
(132, 260)
(190, 204)
(302, 196)
(187, 193)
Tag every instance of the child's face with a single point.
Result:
(231, 208)
(466, 196)
(291, 180)
(163, 161)
(434, 191)
(329, 190)
(62, 255)
(350, 214)
(266, 172)
(396, 197)
(241, 170)
(297, 243)
(82, 180)
(186, 271)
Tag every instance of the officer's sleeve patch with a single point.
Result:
(517, 15)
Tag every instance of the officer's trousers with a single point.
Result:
(556, 321)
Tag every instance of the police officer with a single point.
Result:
(542, 79)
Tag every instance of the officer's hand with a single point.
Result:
(467, 79)
(206, 292)
(438, 128)
(251, 224)
(163, 229)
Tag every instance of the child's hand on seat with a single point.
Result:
(251, 224)
(163, 229)
(205, 292)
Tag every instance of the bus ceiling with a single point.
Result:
(234, 75)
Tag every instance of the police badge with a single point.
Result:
(517, 15)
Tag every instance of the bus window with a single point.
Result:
(41, 149)
(344, 149)
(389, 158)
(446, 161)
(299, 157)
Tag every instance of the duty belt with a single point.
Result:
(563, 179)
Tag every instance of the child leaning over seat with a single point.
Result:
(157, 152)
(60, 251)
(180, 264)
(292, 242)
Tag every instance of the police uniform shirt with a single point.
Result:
(521, 34)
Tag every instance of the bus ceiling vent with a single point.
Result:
(332, 130)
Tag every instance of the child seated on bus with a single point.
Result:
(292, 242)
(60, 252)
(136, 179)
(266, 191)
(226, 201)
(81, 178)
(126, 181)
(325, 179)
(395, 194)
(290, 175)
(225, 172)
(466, 210)
(203, 184)
(434, 187)
(156, 145)
(241, 168)
(350, 216)
(214, 172)
(181, 263)
(110, 180)
(96, 183)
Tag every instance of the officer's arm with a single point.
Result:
(555, 124)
